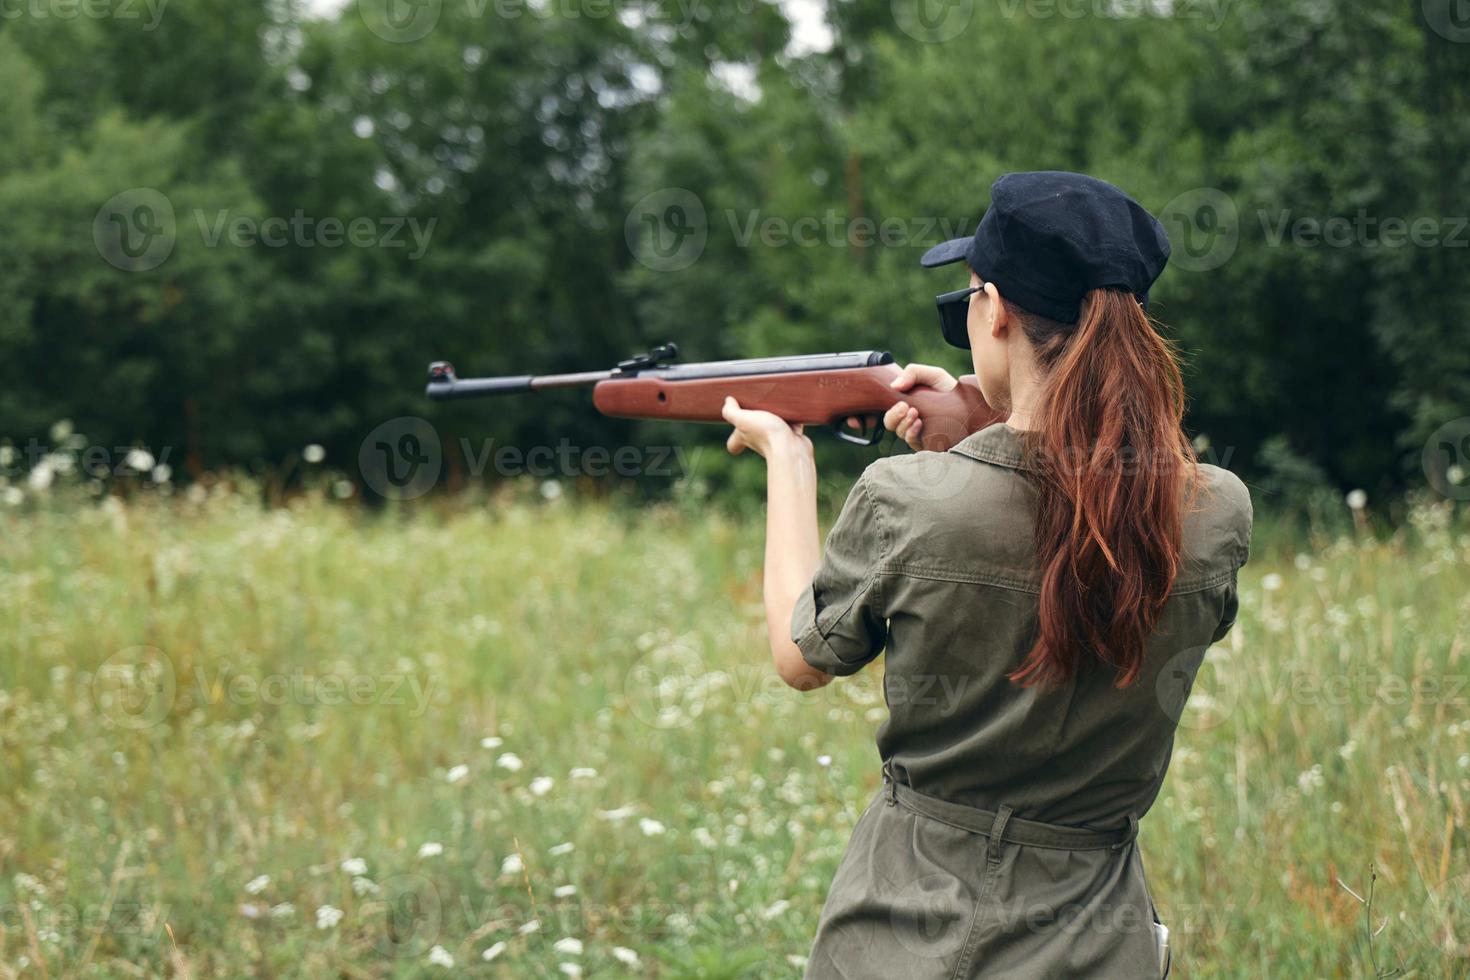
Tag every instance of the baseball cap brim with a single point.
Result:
(954, 250)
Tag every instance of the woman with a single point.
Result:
(1045, 591)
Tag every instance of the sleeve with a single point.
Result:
(1245, 521)
(1231, 610)
(839, 623)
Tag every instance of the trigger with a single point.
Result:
(868, 435)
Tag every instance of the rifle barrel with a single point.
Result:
(444, 384)
(577, 380)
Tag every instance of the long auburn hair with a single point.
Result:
(1112, 467)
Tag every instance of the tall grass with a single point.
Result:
(312, 741)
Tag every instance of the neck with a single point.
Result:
(1025, 402)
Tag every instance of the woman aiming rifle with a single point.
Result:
(1055, 578)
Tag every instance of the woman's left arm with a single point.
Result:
(793, 549)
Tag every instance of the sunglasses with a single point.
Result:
(954, 312)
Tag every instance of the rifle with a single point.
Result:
(812, 389)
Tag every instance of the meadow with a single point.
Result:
(509, 736)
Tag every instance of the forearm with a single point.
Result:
(793, 551)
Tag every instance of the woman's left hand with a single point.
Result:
(762, 431)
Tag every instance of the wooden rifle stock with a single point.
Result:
(808, 397)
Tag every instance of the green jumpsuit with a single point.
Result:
(1003, 842)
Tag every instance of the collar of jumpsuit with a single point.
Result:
(998, 444)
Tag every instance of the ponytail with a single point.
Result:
(1111, 463)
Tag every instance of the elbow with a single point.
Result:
(794, 670)
(809, 681)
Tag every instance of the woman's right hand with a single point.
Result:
(903, 418)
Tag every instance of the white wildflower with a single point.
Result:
(13, 496)
(457, 774)
(568, 946)
(621, 813)
(328, 916)
(570, 969)
(492, 951)
(1310, 780)
(249, 910)
(41, 477)
(1357, 499)
(510, 762)
(257, 884)
(534, 925)
(491, 742)
(824, 761)
(140, 459)
(651, 828)
(283, 911)
(61, 430)
(512, 865)
(583, 772)
(29, 883)
(564, 891)
(162, 473)
(354, 866)
(1271, 582)
(541, 785)
(557, 850)
(625, 956)
(775, 910)
(550, 489)
(439, 956)
(364, 886)
(797, 960)
(430, 849)
(313, 453)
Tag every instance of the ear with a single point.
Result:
(1000, 318)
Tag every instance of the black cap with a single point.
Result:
(1049, 237)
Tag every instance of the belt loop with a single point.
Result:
(890, 785)
(997, 832)
(1132, 834)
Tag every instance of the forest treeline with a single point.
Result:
(229, 229)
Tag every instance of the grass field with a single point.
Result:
(311, 742)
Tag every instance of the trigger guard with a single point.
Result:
(870, 435)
